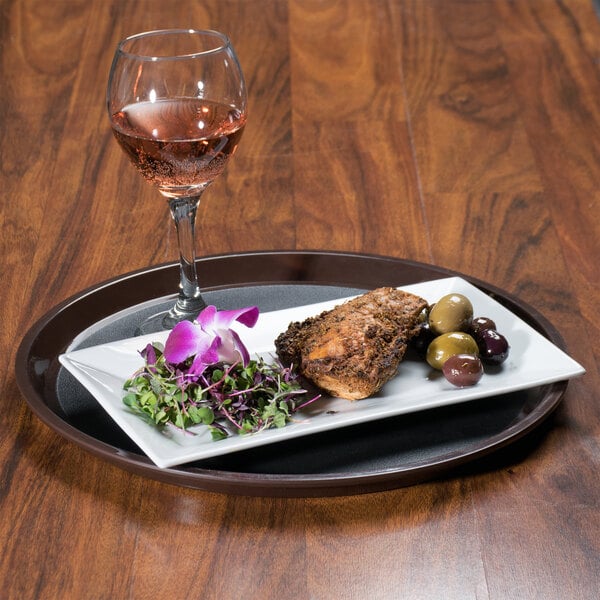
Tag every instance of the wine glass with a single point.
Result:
(177, 105)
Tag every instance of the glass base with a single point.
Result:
(167, 319)
(155, 323)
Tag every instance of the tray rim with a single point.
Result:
(322, 484)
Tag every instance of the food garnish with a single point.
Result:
(204, 375)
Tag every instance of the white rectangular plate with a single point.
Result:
(533, 361)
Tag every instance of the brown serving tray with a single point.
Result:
(390, 453)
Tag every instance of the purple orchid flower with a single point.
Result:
(210, 339)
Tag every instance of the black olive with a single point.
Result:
(463, 370)
(493, 347)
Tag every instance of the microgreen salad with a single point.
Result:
(204, 375)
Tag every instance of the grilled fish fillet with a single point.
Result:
(351, 350)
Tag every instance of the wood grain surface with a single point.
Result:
(460, 133)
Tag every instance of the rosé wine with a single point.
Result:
(181, 144)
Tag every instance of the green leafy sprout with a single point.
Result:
(228, 398)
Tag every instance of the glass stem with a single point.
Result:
(189, 302)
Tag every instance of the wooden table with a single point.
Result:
(462, 134)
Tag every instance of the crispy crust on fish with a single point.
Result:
(352, 350)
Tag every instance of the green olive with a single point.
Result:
(423, 315)
(453, 312)
(448, 344)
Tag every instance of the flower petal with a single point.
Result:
(206, 317)
(247, 316)
(185, 340)
(227, 349)
(209, 356)
(197, 367)
(241, 349)
(222, 319)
